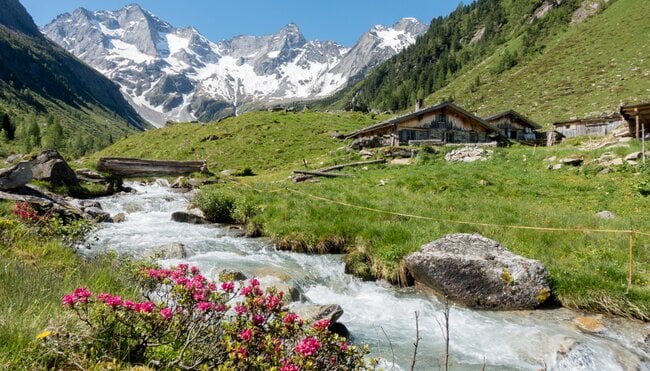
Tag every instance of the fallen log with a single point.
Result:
(321, 173)
(361, 163)
(44, 199)
(135, 167)
(302, 177)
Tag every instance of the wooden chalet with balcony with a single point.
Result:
(440, 124)
(515, 126)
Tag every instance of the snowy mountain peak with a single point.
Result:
(170, 73)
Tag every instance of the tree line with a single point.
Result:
(32, 133)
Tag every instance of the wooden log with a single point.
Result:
(320, 173)
(361, 163)
(304, 177)
(135, 167)
(44, 199)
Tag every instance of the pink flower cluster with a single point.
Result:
(288, 366)
(80, 295)
(197, 286)
(25, 212)
(308, 346)
(83, 295)
(322, 324)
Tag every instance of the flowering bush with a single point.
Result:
(187, 321)
(48, 224)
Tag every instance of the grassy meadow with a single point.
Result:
(512, 188)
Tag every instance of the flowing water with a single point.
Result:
(376, 313)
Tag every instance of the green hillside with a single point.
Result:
(261, 141)
(550, 66)
(590, 69)
(49, 95)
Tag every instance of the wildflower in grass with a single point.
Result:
(114, 301)
(82, 294)
(186, 314)
(68, 300)
(43, 335)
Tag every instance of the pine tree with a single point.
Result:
(7, 127)
(54, 135)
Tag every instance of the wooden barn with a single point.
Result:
(513, 125)
(594, 126)
(443, 123)
(637, 117)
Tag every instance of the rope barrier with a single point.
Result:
(631, 232)
(548, 229)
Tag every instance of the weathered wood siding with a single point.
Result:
(596, 128)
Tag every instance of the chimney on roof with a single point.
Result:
(419, 104)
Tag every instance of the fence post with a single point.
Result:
(630, 267)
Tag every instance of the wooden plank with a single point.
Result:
(134, 167)
(321, 173)
(304, 177)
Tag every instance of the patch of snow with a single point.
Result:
(396, 40)
(120, 49)
(273, 54)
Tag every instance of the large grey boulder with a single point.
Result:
(15, 176)
(50, 166)
(479, 273)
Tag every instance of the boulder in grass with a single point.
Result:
(479, 273)
(15, 176)
(50, 166)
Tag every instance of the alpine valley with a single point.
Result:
(174, 74)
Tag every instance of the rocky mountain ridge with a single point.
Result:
(175, 74)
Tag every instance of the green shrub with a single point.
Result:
(217, 206)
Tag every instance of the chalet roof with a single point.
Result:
(589, 120)
(400, 119)
(630, 112)
(516, 114)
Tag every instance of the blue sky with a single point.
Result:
(340, 20)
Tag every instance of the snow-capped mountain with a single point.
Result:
(177, 74)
